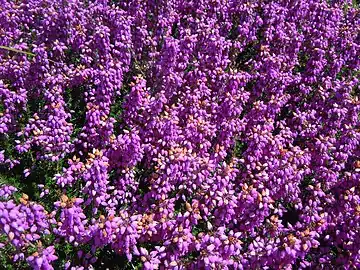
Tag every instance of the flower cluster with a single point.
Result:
(25, 223)
(179, 134)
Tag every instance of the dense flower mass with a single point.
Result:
(174, 134)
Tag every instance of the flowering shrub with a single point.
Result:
(179, 134)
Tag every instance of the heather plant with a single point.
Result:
(177, 134)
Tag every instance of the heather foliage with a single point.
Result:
(178, 134)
